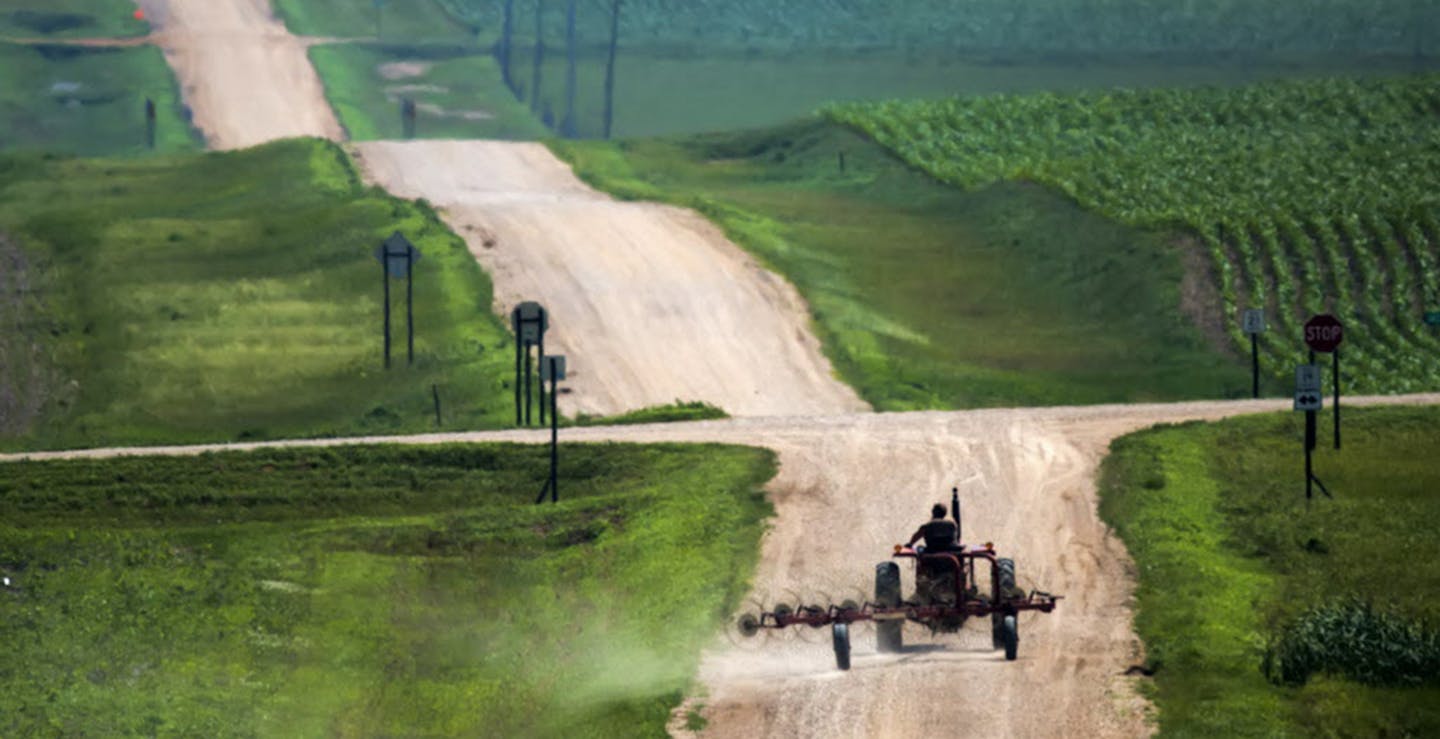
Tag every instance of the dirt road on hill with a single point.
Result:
(849, 488)
(650, 303)
(245, 78)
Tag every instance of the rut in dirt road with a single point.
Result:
(651, 303)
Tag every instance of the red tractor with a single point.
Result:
(948, 591)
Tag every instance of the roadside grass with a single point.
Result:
(677, 411)
(349, 591)
(70, 19)
(88, 101)
(234, 296)
(458, 93)
(928, 297)
(1228, 552)
(407, 21)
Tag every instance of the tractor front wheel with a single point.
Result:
(1010, 633)
(887, 595)
(841, 634)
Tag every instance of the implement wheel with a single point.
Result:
(887, 594)
(841, 634)
(1005, 575)
(1010, 632)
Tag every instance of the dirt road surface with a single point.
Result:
(852, 486)
(650, 303)
(245, 78)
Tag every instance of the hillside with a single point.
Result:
(1309, 196)
(234, 296)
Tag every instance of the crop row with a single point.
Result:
(1391, 26)
(1310, 196)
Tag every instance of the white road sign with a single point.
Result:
(1308, 396)
(1254, 321)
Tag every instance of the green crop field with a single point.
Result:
(369, 591)
(925, 296)
(1309, 196)
(1232, 562)
(88, 101)
(69, 19)
(236, 296)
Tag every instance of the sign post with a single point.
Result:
(1323, 334)
(150, 124)
(553, 369)
(1309, 398)
(530, 321)
(397, 259)
(1254, 324)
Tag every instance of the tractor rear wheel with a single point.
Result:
(1005, 578)
(841, 634)
(887, 595)
(1010, 632)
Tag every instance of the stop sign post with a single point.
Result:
(1323, 334)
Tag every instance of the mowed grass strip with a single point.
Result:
(1228, 552)
(928, 297)
(457, 91)
(395, 591)
(88, 101)
(237, 296)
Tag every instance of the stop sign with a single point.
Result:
(1323, 333)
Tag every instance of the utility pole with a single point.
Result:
(539, 57)
(610, 67)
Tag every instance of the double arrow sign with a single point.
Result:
(1308, 396)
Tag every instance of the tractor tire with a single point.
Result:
(841, 635)
(1005, 573)
(888, 634)
(1010, 631)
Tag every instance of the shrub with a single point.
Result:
(1356, 641)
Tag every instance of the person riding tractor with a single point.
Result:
(940, 534)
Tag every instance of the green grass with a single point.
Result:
(88, 101)
(1228, 552)
(369, 591)
(70, 19)
(699, 88)
(929, 297)
(677, 411)
(395, 20)
(459, 94)
(236, 296)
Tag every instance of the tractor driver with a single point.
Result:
(939, 533)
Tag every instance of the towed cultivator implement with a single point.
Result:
(947, 593)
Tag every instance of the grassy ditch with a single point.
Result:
(369, 590)
(1232, 561)
(88, 101)
(70, 19)
(458, 92)
(386, 20)
(236, 296)
(929, 297)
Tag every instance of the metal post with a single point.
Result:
(435, 390)
(527, 383)
(385, 278)
(409, 307)
(515, 325)
(1309, 447)
(554, 437)
(1254, 366)
(1336, 380)
(150, 123)
(540, 332)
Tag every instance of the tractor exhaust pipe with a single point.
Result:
(955, 513)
